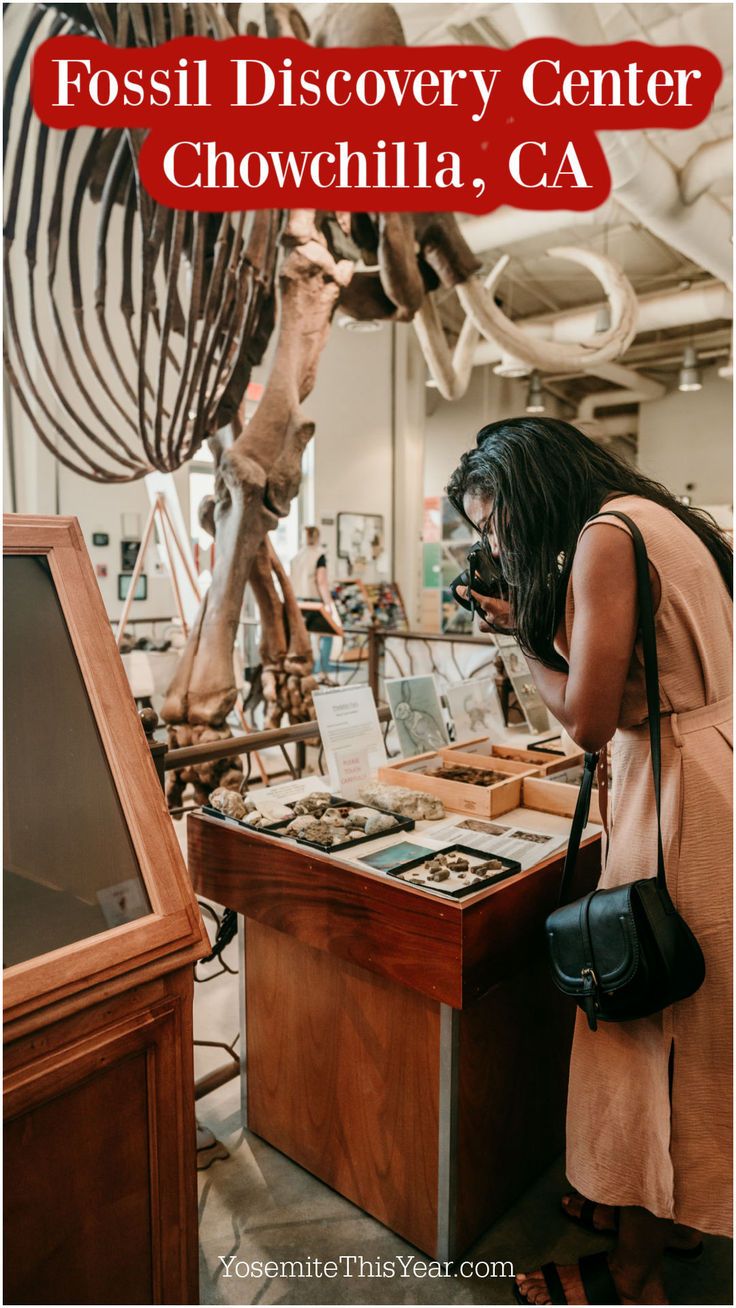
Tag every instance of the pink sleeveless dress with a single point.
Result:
(649, 1105)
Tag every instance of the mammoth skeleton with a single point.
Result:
(132, 331)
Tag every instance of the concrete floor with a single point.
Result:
(258, 1205)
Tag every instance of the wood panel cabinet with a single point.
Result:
(387, 1031)
(101, 930)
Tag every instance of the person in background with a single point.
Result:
(309, 578)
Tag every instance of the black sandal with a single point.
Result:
(595, 1274)
(586, 1216)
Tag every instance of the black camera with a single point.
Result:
(481, 575)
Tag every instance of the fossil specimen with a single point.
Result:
(227, 802)
(469, 776)
(409, 803)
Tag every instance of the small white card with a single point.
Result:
(351, 735)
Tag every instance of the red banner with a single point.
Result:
(253, 123)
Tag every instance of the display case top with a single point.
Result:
(450, 950)
(94, 882)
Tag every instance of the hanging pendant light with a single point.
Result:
(535, 395)
(689, 378)
(726, 369)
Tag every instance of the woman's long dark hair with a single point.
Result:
(544, 479)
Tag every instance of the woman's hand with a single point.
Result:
(497, 611)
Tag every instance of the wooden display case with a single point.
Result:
(544, 763)
(551, 796)
(101, 931)
(481, 801)
(387, 1032)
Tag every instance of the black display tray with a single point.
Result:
(510, 867)
(275, 829)
(401, 824)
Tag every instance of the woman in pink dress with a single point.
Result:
(649, 1104)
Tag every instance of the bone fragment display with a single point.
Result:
(319, 819)
(469, 776)
(455, 866)
(409, 803)
(227, 802)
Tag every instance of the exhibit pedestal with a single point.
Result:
(387, 1031)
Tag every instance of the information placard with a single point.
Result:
(351, 735)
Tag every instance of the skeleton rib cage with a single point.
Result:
(131, 329)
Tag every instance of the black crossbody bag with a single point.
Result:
(625, 952)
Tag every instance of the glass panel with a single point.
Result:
(70, 870)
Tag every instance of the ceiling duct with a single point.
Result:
(644, 182)
(712, 163)
(631, 388)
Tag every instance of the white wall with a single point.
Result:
(101, 508)
(688, 437)
(351, 405)
(451, 428)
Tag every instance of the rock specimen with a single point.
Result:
(228, 802)
(409, 803)
(300, 824)
(314, 804)
(377, 823)
(337, 817)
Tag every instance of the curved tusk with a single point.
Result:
(450, 372)
(552, 356)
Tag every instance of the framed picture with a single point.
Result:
(128, 554)
(531, 703)
(474, 707)
(141, 590)
(417, 712)
(359, 536)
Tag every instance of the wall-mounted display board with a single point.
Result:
(101, 930)
(357, 536)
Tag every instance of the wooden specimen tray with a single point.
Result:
(560, 797)
(482, 801)
(542, 761)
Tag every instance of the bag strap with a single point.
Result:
(649, 648)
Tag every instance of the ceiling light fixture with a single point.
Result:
(689, 378)
(726, 369)
(512, 367)
(535, 395)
